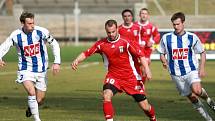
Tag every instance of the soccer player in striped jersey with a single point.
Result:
(30, 42)
(181, 48)
(117, 53)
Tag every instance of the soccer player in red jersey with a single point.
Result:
(117, 53)
(132, 32)
(149, 33)
(128, 28)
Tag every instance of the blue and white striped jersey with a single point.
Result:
(181, 52)
(31, 49)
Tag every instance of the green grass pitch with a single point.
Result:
(76, 95)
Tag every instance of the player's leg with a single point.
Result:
(201, 92)
(197, 104)
(184, 86)
(32, 101)
(108, 92)
(40, 96)
(145, 106)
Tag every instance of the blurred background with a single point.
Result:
(83, 20)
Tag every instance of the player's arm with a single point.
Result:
(161, 49)
(56, 52)
(156, 35)
(84, 55)
(163, 60)
(4, 48)
(199, 49)
(79, 59)
(202, 72)
(146, 70)
(135, 50)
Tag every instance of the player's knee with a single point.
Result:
(40, 101)
(197, 91)
(109, 90)
(139, 97)
(107, 95)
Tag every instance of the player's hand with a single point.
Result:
(55, 68)
(2, 63)
(148, 75)
(165, 65)
(74, 64)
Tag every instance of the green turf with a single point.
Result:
(76, 95)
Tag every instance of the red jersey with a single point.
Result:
(132, 32)
(148, 33)
(118, 57)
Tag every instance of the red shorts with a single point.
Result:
(129, 86)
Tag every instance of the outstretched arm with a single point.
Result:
(79, 59)
(202, 72)
(4, 48)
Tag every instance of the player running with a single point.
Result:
(117, 54)
(30, 42)
(180, 47)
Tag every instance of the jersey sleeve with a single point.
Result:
(53, 43)
(161, 48)
(92, 50)
(5, 46)
(155, 34)
(134, 48)
(198, 46)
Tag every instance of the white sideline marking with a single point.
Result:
(66, 67)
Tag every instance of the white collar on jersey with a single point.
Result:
(114, 40)
(123, 25)
(147, 22)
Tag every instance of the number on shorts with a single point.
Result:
(21, 77)
(111, 81)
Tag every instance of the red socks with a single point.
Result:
(108, 109)
(151, 113)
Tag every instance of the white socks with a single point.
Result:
(201, 109)
(33, 105)
(109, 119)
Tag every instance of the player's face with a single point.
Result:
(112, 32)
(144, 15)
(127, 17)
(28, 25)
(178, 25)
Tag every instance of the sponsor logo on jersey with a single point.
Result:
(32, 50)
(180, 53)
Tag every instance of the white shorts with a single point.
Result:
(183, 83)
(39, 79)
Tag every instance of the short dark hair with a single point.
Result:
(178, 15)
(127, 10)
(25, 15)
(110, 23)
